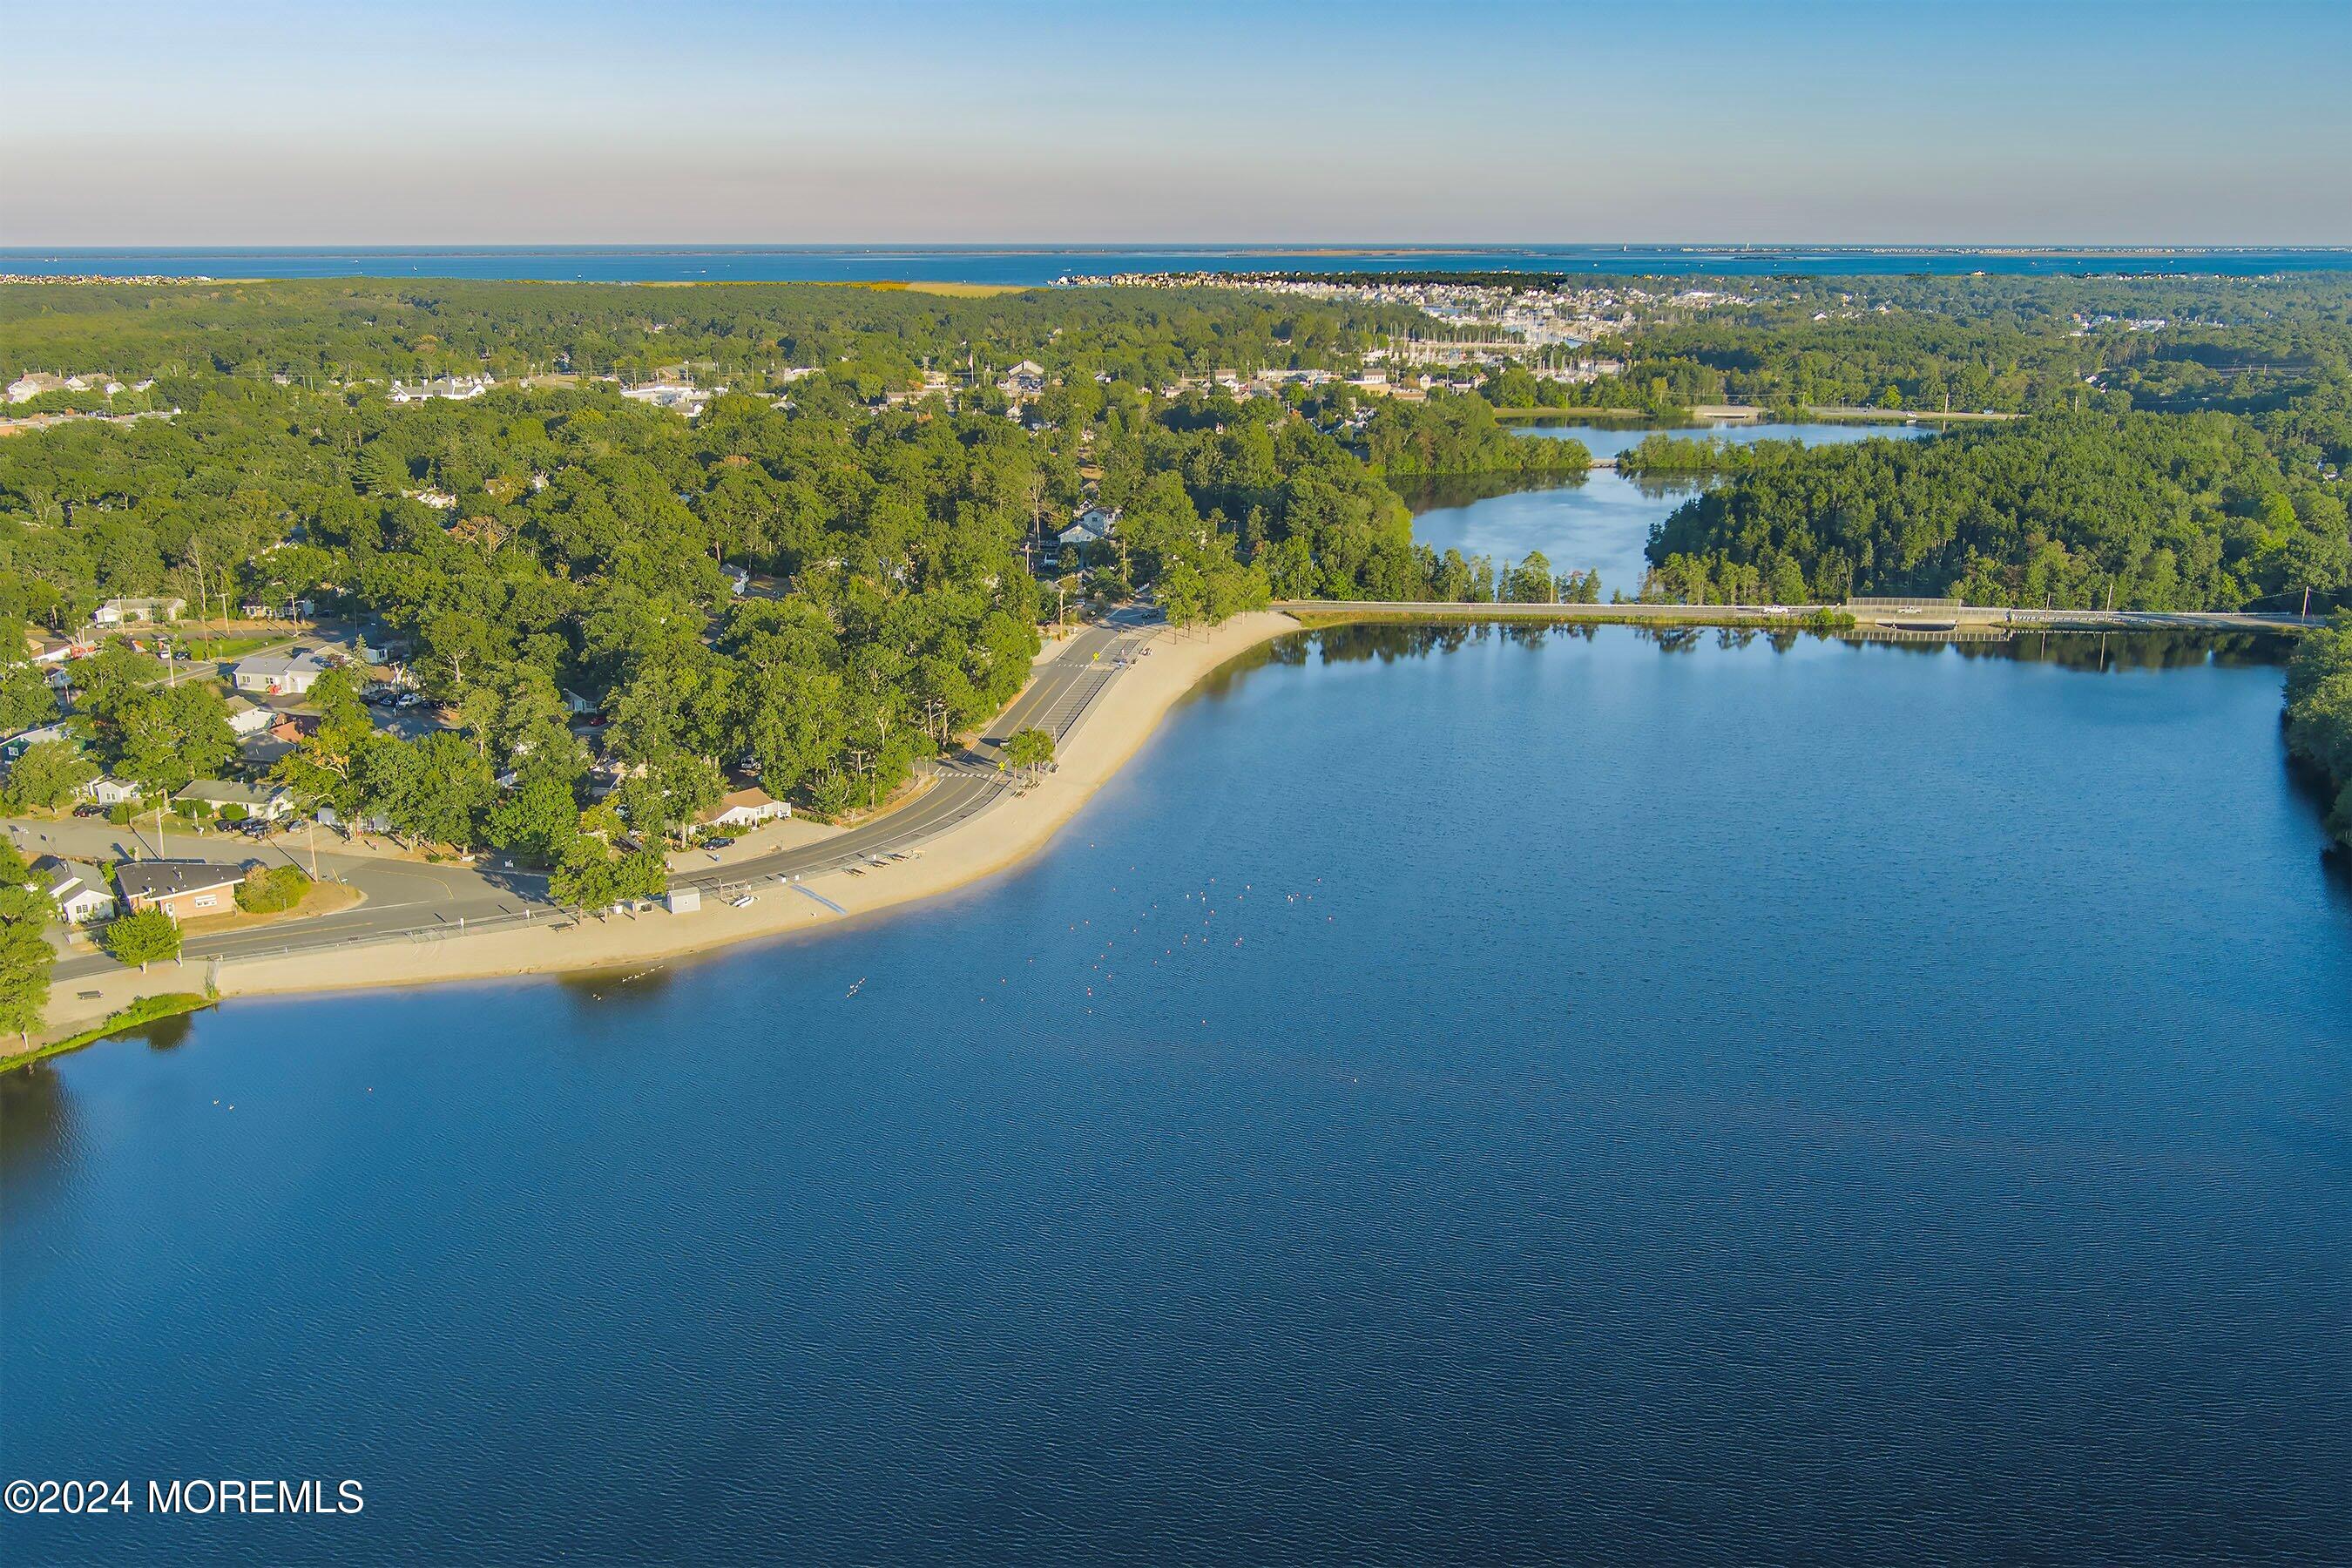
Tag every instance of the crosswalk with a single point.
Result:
(1062, 715)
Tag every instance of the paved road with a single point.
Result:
(1064, 691)
(426, 902)
(403, 897)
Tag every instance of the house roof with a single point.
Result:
(167, 878)
(270, 666)
(63, 878)
(752, 799)
(230, 791)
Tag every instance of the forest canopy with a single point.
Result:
(2204, 512)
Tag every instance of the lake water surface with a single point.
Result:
(1601, 522)
(1454, 1098)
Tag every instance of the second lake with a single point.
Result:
(1601, 523)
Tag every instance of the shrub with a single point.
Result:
(270, 889)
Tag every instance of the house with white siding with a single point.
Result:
(77, 889)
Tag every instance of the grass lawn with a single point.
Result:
(145, 1010)
(229, 647)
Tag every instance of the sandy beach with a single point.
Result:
(1012, 828)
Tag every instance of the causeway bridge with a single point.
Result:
(1899, 618)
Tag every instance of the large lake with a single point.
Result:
(1474, 1098)
(1600, 522)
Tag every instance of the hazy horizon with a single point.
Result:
(1312, 244)
(269, 124)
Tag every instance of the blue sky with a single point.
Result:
(1901, 121)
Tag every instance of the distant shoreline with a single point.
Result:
(1039, 265)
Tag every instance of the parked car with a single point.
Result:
(90, 808)
(722, 842)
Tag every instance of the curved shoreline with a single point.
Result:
(1008, 831)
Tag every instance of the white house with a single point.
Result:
(746, 808)
(676, 396)
(293, 671)
(738, 579)
(133, 612)
(43, 649)
(456, 388)
(266, 802)
(1023, 380)
(18, 743)
(79, 891)
(1093, 526)
(247, 718)
(34, 382)
(108, 790)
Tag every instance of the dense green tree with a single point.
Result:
(444, 786)
(1029, 750)
(535, 822)
(26, 955)
(143, 937)
(1530, 581)
(48, 775)
(2319, 713)
(591, 876)
(163, 737)
(2142, 512)
(25, 699)
(675, 788)
(327, 767)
